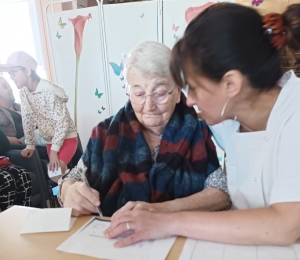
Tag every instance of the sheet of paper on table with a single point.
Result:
(47, 220)
(197, 250)
(89, 240)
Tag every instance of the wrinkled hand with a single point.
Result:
(14, 140)
(54, 161)
(144, 224)
(141, 205)
(76, 195)
(27, 153)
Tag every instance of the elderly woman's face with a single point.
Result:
(153, 98)
(6, 91)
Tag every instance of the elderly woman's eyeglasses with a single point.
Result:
(13, 71)
(159, 97)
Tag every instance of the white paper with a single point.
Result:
(48, 220)
(197, 250)
(89, 240)
(54, 173)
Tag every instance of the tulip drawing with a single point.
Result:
(192, 12)
(78, 24)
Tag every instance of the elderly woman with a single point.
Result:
(154, 150)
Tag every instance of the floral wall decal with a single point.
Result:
(192, 12)
(257, 2)
(78, 24)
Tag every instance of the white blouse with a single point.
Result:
(263, 167)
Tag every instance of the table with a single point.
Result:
(43, 245)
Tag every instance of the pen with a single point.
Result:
(82, 170)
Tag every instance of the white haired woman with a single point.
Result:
(153, 154)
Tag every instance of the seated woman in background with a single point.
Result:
(15, 182)
(10, 114)
(11, 119)
(154, 150)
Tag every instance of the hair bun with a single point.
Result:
(273, 23)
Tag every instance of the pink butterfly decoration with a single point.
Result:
(175, 28)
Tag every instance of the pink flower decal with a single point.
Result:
(192, 12)
(79, 23)
(257, 2)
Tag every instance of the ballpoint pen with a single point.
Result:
(81, 168)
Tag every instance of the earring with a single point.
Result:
(223, 111)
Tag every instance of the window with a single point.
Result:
(19, 31)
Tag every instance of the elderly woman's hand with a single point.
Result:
(76, 195)
(144, 225)
(141, 205)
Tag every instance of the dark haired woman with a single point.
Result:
(229, 60)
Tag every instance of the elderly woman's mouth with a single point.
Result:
(146, 114)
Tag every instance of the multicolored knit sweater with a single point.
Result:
(120, 165)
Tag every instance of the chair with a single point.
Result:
(40, 194)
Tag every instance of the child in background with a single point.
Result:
(43, 106)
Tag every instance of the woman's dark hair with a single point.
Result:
(231, 37)
(291, 20)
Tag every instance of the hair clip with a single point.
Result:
(274, 25)
(269, 31)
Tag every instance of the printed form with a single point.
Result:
(89, 240)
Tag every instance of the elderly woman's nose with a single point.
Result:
(149, 104)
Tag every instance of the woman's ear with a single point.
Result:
(27, 72)
(232, 82)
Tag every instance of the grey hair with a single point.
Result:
(150, 58)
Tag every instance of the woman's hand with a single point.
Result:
(14, 140)
(54, 161)
(79, 197)
(141, 205)
(144, 224)
(27, 153)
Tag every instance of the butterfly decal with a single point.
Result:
(176, 37)
(142, 15)
(61, 24)
(99, 111)
(122, 78)
(175, 28)
(58, 36)
(123, 86)
(97, 94)
(257, 2)
(117, 69)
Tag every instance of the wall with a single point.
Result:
(40, 6)
(266, 7)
